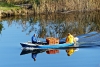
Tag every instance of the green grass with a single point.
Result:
(9, 8)
(5, 6)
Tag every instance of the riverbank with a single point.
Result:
(10, 9)
(46, 7)
(22, 12)
(14, 12)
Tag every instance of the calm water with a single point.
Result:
(20, 29)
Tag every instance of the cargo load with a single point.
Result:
(52, 40)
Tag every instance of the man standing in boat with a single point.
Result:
(34, 39)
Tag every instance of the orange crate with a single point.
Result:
(51, 40)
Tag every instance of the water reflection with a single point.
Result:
(90, 41)
(57, 25)
(35, 52)
(1, 27)
(70, 51)
(52, 51)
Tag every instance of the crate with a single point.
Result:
(52, 40)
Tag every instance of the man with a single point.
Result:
(70, 39)
(34, 39)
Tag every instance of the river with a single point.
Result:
(14, 30)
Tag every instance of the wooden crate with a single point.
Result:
(51, 40)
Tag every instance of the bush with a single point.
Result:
(4, 4)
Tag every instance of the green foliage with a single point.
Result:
(7, 6)
(37, 2)
(4, 4)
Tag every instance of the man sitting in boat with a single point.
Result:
(34, 39)
(70, 39)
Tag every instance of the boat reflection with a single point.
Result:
(34, 52)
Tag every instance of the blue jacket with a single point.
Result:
(34, 39)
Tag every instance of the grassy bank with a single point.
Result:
(6, 6)
(8, 9)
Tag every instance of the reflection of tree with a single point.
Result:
(1, 26)
(58, 25)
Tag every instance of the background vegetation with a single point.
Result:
(48, 6)
(57, 25)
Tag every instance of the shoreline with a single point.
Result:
(22, 12)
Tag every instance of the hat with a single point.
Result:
(34, 34)
(68, 33)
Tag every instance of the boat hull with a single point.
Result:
(54, 46)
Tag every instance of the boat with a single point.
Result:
(46, 46)
(62, 45)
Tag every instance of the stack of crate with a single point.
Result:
(52, 40)
(52, 51)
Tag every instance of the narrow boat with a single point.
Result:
(46, 46)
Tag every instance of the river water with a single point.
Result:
(86, 26)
